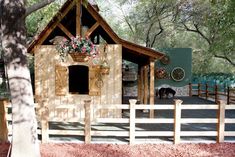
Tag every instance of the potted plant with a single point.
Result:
(79, 48)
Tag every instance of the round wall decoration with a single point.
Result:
(178, 74)
(161, 73)
(165, 60)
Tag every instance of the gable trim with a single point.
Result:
(148, 52)
(52, 24)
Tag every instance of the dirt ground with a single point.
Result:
(140, 150)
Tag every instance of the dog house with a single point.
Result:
(70, 82)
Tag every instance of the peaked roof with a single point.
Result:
(131, 51)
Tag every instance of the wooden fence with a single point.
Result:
(132, 120)
(132, 133)
(214, 92)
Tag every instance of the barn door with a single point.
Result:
(61, 80)
(95, 81)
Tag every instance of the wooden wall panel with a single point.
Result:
(111, 93)
(46, 60)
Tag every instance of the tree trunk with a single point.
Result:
(13, 34)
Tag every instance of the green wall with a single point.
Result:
(179, 57)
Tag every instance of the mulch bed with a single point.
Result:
(140, 150)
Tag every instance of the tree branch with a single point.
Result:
(226, 58)
(148, 33)
(37, 6)
(197, 31)
(203, 36)
(127, 21)
(155, 36)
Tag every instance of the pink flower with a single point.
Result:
(83, 49)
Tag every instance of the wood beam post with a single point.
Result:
(216, 93)
(145, 87)
(221, 121)
(78, 17)
(199, 90)
(92, 29)
(132, 121)
(177, 117)
(141, 84)
(138, 86)
(65, 30)
(228, 95)
(151, 92)
(45, 123)
(190, 89)
(87, 129)
(3, 121)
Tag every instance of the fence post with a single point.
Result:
(225, 89)
(132, 121)
(199, 90)
(216, 93)
(87, 120)
(45, 124)
(3, 121)
(177, 123)
(190, 89)
(221, 121)
(228, 95)
(206, 91)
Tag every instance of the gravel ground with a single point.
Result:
(142, 150)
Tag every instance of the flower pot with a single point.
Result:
(79, 57)
(104, 70)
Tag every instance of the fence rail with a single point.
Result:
(132, 131)
(214, 92)
(177, 121)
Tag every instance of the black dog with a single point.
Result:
(165, 92)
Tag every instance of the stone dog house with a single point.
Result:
(69, 82)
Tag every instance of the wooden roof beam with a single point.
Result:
(78, 18)
(58, 18)
(65, 30)
(103, 24)
(92, 29)
(137, 48)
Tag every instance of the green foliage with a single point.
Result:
(210, 28)
(159, 24)
(36, 21)
(223, 23)
(227, 79)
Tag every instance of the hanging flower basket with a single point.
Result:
(104, 70)
(79, 48)
(79, 57)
